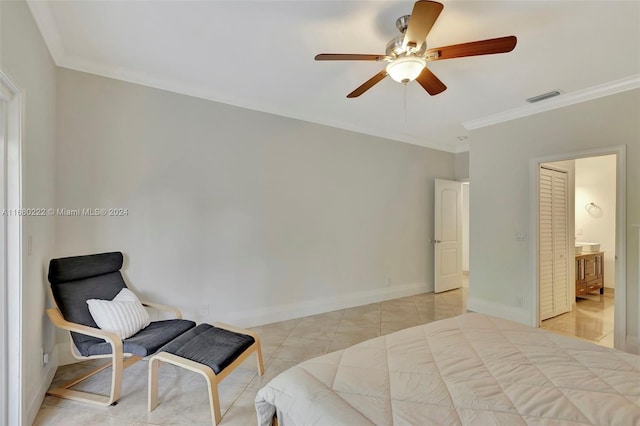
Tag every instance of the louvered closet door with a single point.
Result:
(553, 255)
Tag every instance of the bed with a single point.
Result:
(472, 369)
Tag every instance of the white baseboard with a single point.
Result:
(251, 318)
(632, 345)
(497, 310)
(33, 406)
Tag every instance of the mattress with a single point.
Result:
(472, 369)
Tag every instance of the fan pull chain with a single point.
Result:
(405, 102)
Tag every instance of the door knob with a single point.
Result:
(437, 241)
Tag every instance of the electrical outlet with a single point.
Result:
(388, 282)
(519, 301)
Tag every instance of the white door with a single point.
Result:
(447, 235)
(553, 254)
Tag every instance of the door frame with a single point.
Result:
(11, 374)
(620, 307)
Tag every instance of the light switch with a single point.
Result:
(521, 236)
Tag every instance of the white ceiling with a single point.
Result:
(259, 55)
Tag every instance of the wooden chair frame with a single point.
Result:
(211, 378)
(119, 359)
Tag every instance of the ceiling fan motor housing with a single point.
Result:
(402, 23)
(395, 48)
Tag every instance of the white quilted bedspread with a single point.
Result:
(473, 369)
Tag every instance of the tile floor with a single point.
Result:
(183, 395)
(592, 319)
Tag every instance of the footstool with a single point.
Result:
(213, 351)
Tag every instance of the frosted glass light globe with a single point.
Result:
(406, 68)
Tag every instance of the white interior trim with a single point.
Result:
(620, 307)
(254, 317)
(499, 310)
(202, 92)
(622, 85)
(11, 398)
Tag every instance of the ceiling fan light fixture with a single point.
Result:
(406, 68)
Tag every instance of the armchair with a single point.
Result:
(74, 280)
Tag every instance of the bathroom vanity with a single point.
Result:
(589, 273)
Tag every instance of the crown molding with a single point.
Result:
(180, 87)
(46, 22)
(601, 90)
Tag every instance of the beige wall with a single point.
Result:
(24, 56)
(239, 215)
(500, 161)
(461, 164)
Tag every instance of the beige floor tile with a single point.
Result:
(592, 319)
(183, 394)
(329, 317)
(272, 368)
(319, 329)
(348, 331)
(242, 412)
(607, 340)
(60, 416)
(362, 319)
(301, 349)
(345, 342)
(359, 310)
(282, 328)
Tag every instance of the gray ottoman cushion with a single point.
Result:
(212, 346)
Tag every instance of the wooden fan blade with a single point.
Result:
(347, 57)
(474, 48)
(423, 17)
(368, 84)
(430, 82)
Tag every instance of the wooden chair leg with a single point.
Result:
(260, 361)
(153, 384)
(206, 372)
(214, 399)
(117, 364)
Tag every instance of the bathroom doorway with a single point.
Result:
(588, 273)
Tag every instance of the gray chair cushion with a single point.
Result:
(74, 280)
(77, 267)
(212, 346)
(145, 342)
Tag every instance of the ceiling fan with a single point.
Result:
(407, 54)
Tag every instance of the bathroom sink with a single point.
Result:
(589, 247)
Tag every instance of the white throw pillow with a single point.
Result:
(124, 315)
